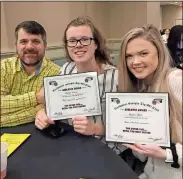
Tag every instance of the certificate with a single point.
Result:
(70, 95)
(138, 118)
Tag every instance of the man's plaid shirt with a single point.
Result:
(18, 90)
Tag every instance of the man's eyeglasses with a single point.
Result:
(83, 41)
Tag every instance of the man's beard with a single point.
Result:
(31, 64)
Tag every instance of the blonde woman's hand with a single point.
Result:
(83, 125)
(151, 150)
(42, 121)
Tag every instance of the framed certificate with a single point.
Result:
(138, 118)
(70, 95)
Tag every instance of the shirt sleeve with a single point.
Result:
(169, 158)
(11, 103)
(175, 83)
(62, 72)
(23, 116)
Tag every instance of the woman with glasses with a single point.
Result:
(86, 51)
(145, 64)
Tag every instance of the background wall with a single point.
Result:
(154, 13)
(53, 16)
(169, 14)
(124, 16)
(114, 19)
(4, 37)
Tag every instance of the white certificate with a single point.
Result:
(70, 95)
(138, 118)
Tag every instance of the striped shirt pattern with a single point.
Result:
(108, 82)
(18, 90)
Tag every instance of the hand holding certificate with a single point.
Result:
(70, 95)
(138, 118)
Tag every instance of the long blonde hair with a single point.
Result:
(129, 83)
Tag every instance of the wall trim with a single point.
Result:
(57, 51)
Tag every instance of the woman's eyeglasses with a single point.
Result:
(83, 41)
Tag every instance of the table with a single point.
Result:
(70, 156)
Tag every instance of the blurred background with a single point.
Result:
(114, 19)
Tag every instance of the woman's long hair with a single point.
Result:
(173, 40)
(160, 83)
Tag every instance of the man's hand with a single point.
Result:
(40, 96)
(42, 121)
(83, 125)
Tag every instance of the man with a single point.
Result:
(22, 76)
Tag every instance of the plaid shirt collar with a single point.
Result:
(39, 67)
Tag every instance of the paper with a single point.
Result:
(138, 118)
(13, 140)
(70, 95)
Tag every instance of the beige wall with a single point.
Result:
(53, 16)
(154, 14)
(169, 14)
(113, 18)
(99, 12)
(160, 17)
(4, 37)
(124, 16)
(127, 15)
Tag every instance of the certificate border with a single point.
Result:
(167, 133)
(74, 74)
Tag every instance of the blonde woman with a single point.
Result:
(144, 63)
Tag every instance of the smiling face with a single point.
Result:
(141, 58)
(81, 53)
(167, 31)
(30, 48)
